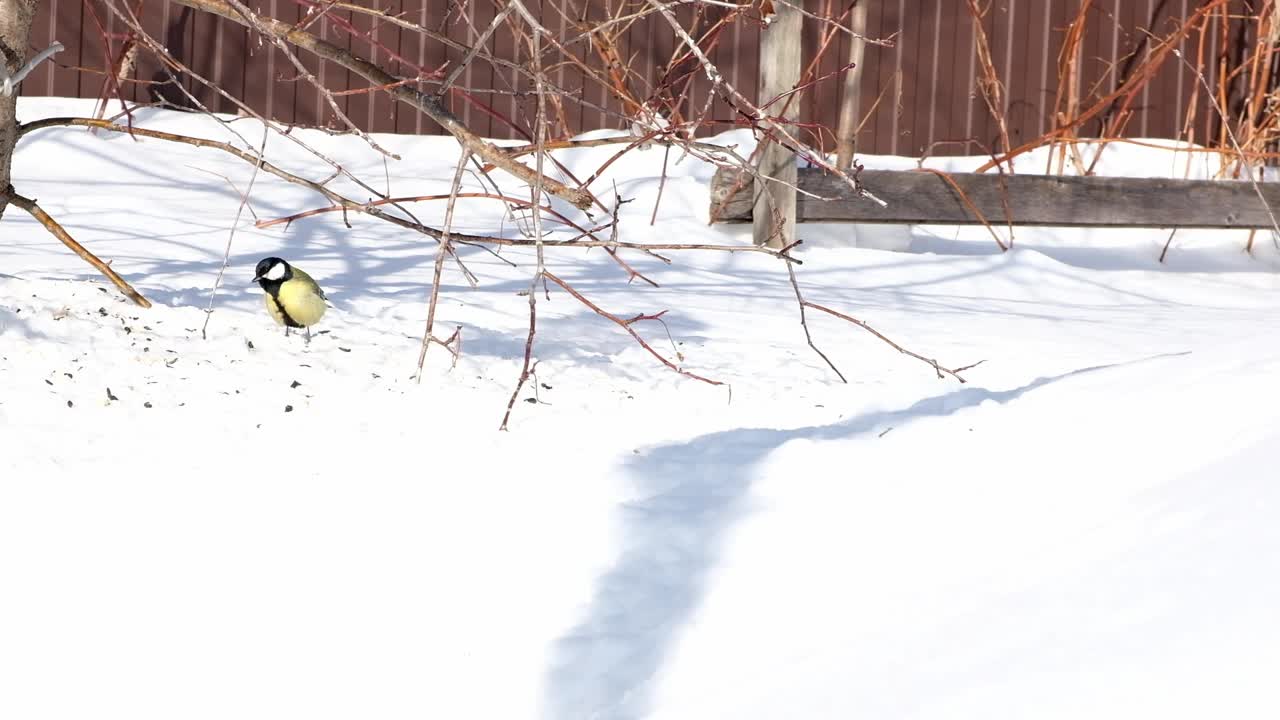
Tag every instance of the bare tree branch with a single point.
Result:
(59, 232)
(428, 104)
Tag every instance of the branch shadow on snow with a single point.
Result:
(609, 663)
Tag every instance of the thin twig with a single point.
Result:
(442, 250)
(964, 197)
(791, 273)
(775, 129)
(231, 236)
(626, 325)
(1226, 124)
(928, 361)
(425, 102)
(540, 138)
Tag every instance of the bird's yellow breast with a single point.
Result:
(299, 301)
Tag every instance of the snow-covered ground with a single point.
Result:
(246, 526)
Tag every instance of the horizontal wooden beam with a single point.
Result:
(922, 197)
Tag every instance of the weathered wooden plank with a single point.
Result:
(1069, 201)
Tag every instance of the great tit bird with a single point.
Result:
(292, 297)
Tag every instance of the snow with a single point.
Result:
(1086, 528)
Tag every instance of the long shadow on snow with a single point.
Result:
(606, 665)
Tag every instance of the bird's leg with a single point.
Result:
(286, 331)
(308, 334)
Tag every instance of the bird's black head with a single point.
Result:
(272, 271)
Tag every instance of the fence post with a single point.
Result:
(779, 73)
(850, 103)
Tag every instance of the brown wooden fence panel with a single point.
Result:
(919, 96)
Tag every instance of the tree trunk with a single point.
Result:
(15, 25)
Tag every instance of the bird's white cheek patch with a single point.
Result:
(275, 273)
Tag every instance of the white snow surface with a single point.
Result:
(1087, 528)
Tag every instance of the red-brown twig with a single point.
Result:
(428, 104)
(444, 249)
(791, 273)
(928, 361)
(535, 202)
(529, 364)
(626, 325)
(967, 203)
(231, 236)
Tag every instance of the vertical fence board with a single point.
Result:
(202, 39)
(827, 91)
(927, 80)
(94, 50)
(1160, 117)
(387, 35)
(1020, 96)
(235, 47)
(882, 70)
(40, 80)
(907, 86)
(953, 100)
(258, 66)
(657, 54)
(67, 26)
(504, 46)
(282, 92)
(360, 104)
(308, 102)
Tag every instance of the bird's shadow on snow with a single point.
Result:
(608, 664)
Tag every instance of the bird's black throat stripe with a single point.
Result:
(273, 289)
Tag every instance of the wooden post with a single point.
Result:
(850, 101)
(779, 73)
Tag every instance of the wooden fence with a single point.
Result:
(925, 84)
